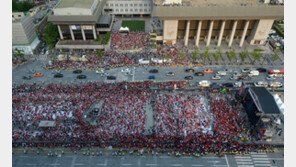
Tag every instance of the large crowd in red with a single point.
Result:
(200, 122)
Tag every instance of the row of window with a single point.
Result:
(126, 5)
(133, 10)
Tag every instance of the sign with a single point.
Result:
(87, 27)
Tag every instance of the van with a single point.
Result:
(253, 73)
(204, 83)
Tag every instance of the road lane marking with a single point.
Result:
(197, 165)
(177, 165)
(243, 159)
(226, 161)
(261, 161)
(126, 164)
(150, 164)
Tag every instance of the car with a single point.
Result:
(153, 71)
(228, 85)
(204, 83)
(199, 74)
(77, 71)
(126, 70)
(221, 73)
(262, 70)
(104, 74)
(261, 84)
(270, 78)
(245, 70)
(216, 77)
(275, 84)
(128, 73)
(100, 71)
(58, 75)
(170, 74)
(28, 77)
(253, 73)
(151, 77)
(188, 78)
(189, 70)
(38, 75)
(233, 78)
(81, 77)
(111, 77)
(237, 84)
(236, 74)
(208, 71)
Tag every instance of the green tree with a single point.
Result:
(274, 57)
(195, 54)
(231, 55)
(205, 55)
(19, 53)
(244, 54)
(217, 55)
(21, 6)
(51, 35)
(256, 55)
(107, 37)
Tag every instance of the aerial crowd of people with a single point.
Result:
(200, 122)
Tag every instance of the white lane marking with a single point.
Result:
(150, 164)
(139, 162)
(261, 161)
(262, 165)
(264, 159)
(73, 161)
(80, 164)
(243, 159)
(30, 164)
(197, 165)
(259, 155)
(126, 164)
(187, 157)
(54, 164)
(244, 163)
(177, 165)
(226, 161)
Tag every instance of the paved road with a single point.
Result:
(251, 160)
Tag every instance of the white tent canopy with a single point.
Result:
(124, 29)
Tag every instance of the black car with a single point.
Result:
(261, 69)
(229, 85)
(58, 75)
(77, 71)
(199, 74)
(153, 71)
(111, 77)
(189, 70)
(27, 77)
(188, 77)
(81, 76)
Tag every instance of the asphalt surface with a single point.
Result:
(250, 160)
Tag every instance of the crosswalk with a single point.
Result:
(253, 160)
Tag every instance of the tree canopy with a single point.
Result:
(21, 6)
(51, 35)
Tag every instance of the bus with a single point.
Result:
(276, 73)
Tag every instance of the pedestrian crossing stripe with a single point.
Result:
(261, 161)
(244, 160)
(244, 163)
(237, 157)
(259, 155)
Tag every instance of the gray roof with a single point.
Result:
(76, 3)
(219, 12)
(105, 19)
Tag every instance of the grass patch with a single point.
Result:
(134, 25)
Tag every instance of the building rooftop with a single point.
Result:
(75, 3)
(214, 3)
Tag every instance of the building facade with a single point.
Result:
(215, 23)
(129, 8)
(24, 36)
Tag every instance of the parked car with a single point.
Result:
(188, 78)
(38, 75)
(216, 77)
(77, 71)
(111, 77)
(261, 84)
(221, 73)
(228, 85)
(170, 74)
(126, 70)
(151, 77)
(262, 70)
(153, 71)
(270, 78)
(204, 83)
(100, 71)
(104, 74)
(189, 70)
(58, 75)
(28, 77)
(245, 70)
(199, 74)
(208, 71)
(275, 84)
(81, 77)
(253, 73)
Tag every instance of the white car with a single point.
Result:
(105, 74)
(204, 83)
(221, 73)
(170, 74)
(144, 61)
(216, 77)
(270, 78)
(275, 84)
(261, 84)
(100, 71)
(126, 70)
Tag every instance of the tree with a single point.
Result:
(21, 6)
(256, 56)
(195, 54)
(274, 57)
(217, 55)
(19, 53)
(51, 35)
(231, 55)
(205, 55)
(244, 54)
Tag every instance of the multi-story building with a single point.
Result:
(24, 36)
(80, 22)
(216, 22)
(129, 8)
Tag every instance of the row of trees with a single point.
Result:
(256, 55)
